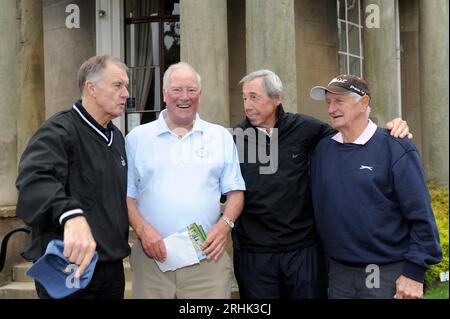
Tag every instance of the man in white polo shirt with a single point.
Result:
(179, 165)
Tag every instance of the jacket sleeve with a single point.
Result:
(42, 178)
(321, 130)
(412, 193)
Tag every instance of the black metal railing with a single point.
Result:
(5, 241)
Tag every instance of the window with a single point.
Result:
(152, 44)
(349, 34)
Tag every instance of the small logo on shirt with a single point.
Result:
(201, 152)
(370, 168)
(122, 160)
(295, 155)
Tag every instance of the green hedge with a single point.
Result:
(439, 202)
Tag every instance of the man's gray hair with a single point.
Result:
(271, 82)
(180, 65)
(92, 69)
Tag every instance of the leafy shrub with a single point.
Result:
(440, 205)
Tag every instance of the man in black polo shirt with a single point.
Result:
(276, 247)
(72, 181)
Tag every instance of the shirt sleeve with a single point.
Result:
(43, 174)
(412, 192)
(231, 178)
(132, 187)
(320, 129)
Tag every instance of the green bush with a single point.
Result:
(439, 203)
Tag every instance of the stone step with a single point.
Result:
(18, 290)
(19, 272)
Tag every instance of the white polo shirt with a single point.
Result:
(178, 181)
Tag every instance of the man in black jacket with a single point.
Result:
(72, 181)
(276, 247)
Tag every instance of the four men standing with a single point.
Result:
(178, 167)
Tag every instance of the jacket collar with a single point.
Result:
(106, 133)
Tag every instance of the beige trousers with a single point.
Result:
(209, 279)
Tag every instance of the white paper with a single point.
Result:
(180, 252)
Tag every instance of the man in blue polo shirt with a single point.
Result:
(371, 202)
(179, 165)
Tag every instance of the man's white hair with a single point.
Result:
(357, 98)
(180, 65)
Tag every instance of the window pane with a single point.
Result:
(142, 56)
(143, 88)
(133, 119)
(343, 64)
(171, 43)
(138, 118)
(172, 7)
(355, 66)
(342, 34)
(352, 11)
(353, 39)
(341, 8)
(141, 8)
(142, 44)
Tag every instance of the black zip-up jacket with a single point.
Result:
(278, 212)
(68, 165)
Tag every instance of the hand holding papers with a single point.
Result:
(183, 248)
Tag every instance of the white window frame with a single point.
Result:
(347, 53)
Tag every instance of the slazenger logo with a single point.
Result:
(370, 168)
(338, 80)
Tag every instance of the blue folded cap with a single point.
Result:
(57, 274)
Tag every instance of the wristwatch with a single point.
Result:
(228, 221)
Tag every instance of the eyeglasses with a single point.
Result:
(191, 91)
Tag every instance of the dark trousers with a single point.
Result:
(298, 274)
(108, 282)
(349, 282)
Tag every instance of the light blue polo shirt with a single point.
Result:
(178, 181)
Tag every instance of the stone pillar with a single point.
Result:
(66, 47)
(204, 45)
(8, 103)
(270, 43)
(434, 45)
(30, 73)
(380, 63)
